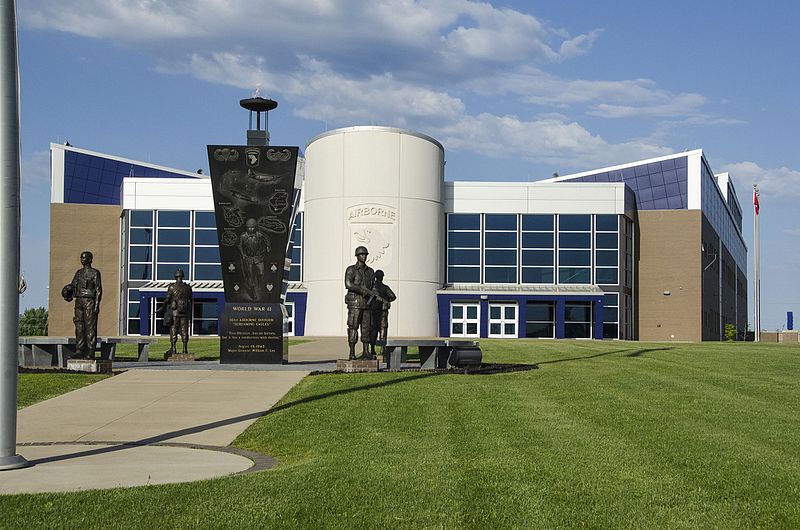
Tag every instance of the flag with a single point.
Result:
(755, 199)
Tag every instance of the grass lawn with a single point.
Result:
(33, 388)
(601, 435)
(203, 348)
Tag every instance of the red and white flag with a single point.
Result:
(755, 199)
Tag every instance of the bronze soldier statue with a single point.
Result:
(86, 289)
(379, 307)
(254, 245)
(179, 304)
(358, 279)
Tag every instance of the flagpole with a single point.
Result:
(9, 236)
(756, 269)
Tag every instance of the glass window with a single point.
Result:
(578, 320)
(606, 258)
(606, 276)
(167, 271)
(204, 316)
(207, 272)
(141, 218)
(173, 237)
(538, 244)
(500, 249)
(574, 258)
(140, 271)
(173, 254)
(574, 240)
(206, 255)
(205, 220)
(571, 275)
(141, 253)
(537, 223)
(141, 236)
(606, 223)
(464, 239)
(537, 275)
(539, 320)
(206, 237)
(501, 240)
(462, 221)
(501, 222)
(574, 223)
(501, 257)
(464, 256)
(170, 218)
(464, 274)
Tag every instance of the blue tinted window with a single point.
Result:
(537, 275)
(606, 258)
(577, 312)
(205, 237)
(500, 275)
(141, 254)
(606, 240)
(501, 240)
(606, 276)
(501, 257)
(573, 258)
(610, 299)
(296, 255)
(177, 219)
(206, 254)
(463, 221)
(174, 254)
(501, 222)
(293, 274)
(464, 239)
(606, 223)
(463, 274)
(537, 222)
(574, 275)
(463, 257)
(537, 240)
(207, 272)
(173, 237)
(205, 220)
(574, 222)
(537, 257)
(140, 272)
(141, 236)
(141, 218)
(574, 240)
(167, 272)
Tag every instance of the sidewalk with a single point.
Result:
(145, 427)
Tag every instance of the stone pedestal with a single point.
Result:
(359, 365)
(95, 366)
(181, 357)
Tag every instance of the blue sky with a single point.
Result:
(514, 91)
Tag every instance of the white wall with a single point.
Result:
(382, 188)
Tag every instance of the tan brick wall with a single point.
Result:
(669, 260)
(73, 229)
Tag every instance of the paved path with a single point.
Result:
(102, 435)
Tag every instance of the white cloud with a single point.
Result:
(775, 184)
(419, 64)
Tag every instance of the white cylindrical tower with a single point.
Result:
(379, 187)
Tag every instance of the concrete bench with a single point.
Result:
(44, 352)
(108, 346)
(433, 353)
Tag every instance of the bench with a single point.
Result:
(434, 354)
(108, 346)
(42, 352)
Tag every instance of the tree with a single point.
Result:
(33, 321)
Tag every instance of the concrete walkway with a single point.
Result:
(144, 427)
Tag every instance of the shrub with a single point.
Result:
(33, 321)
(730, 332)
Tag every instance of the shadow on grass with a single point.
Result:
(161, 438)
(635, 353)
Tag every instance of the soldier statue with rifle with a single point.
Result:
(359, 279)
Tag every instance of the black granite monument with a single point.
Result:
(254, 201)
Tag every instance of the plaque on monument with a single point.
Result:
(254, 197)
(253, 333)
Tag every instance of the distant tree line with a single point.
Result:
(33, 322)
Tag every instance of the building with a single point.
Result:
(649, 250)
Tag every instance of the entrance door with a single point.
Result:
(503, 321)
(465, 319)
